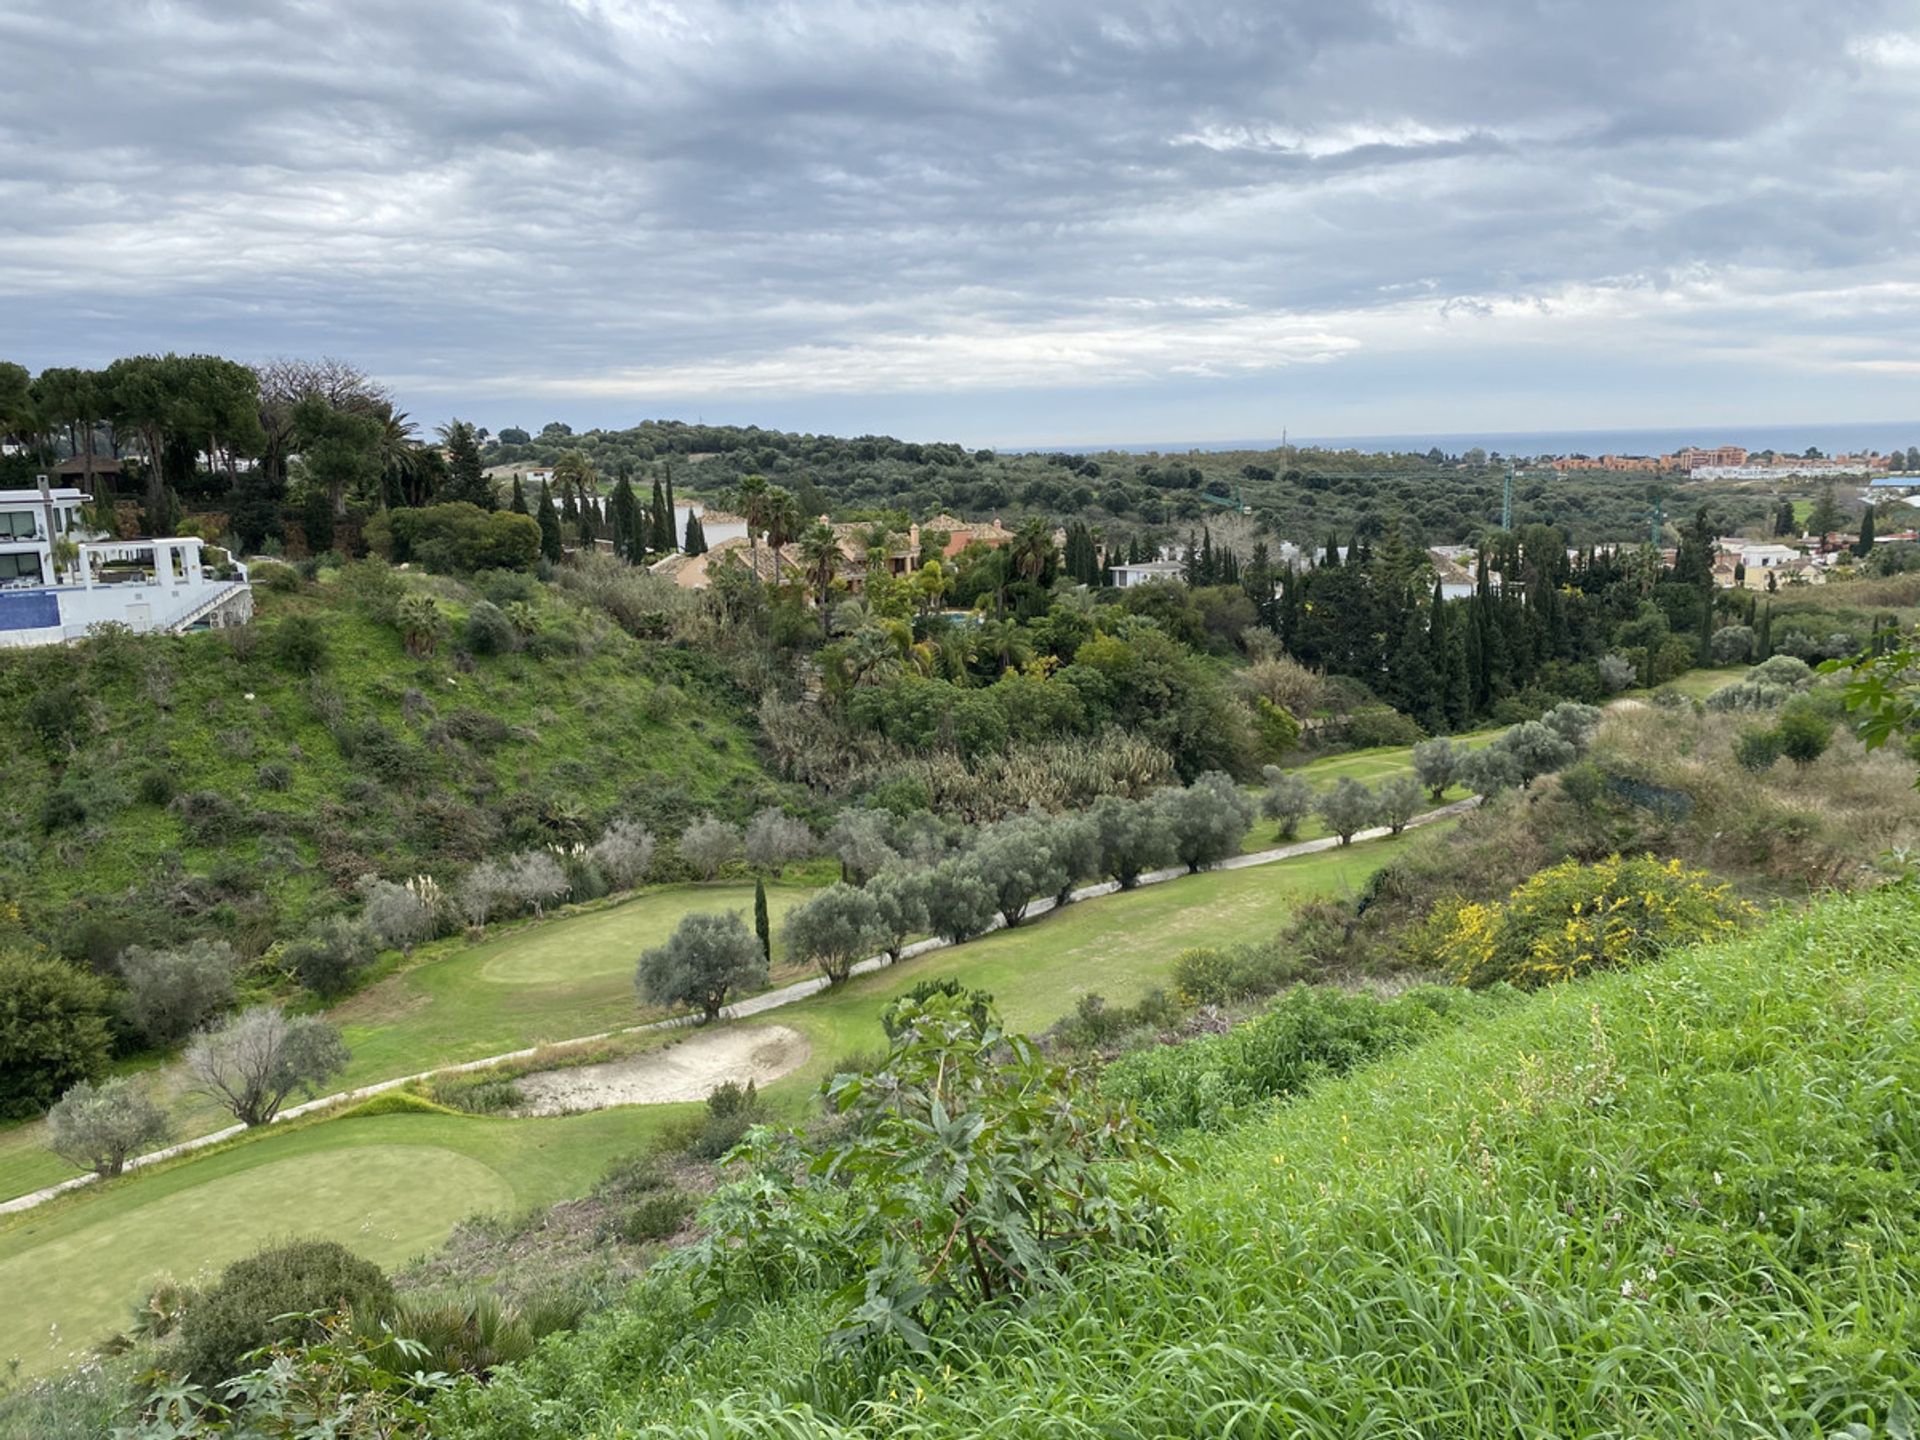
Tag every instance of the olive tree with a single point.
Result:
(862, 841)
(705, 959)
(900, 896)
(400, 916)
(1536, 749)
(1348, 807)
(624, 853)
(1207, 819)
(1732, 644)
(835, 930)
(1287, 800)
(960, 902)
(483, 891)
(328, 957)
(1398, 801)
(1133, 837)
(1075, 842)
(775, 839)
(708, 845)
(1617, 672)
(1489, 771)
(1017, 862)
(1574, 723)
(1436, 765)
(260, 1057)
(534, 877)
(103, 1126)
(172, 991)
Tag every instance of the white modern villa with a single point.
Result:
(57, 580)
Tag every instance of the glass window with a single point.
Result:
(18, 525)
(19, 567)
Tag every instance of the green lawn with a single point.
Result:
(1695, 684)
(391, 1186)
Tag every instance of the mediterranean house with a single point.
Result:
(57, 581)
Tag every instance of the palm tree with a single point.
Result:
(820, 553)
(750, 499)
(783, 522)
(1032, 547)
(1005, 643)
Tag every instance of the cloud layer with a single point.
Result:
(996, 221)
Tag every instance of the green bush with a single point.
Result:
(270, 1298)
(732, 1110)
(1309, 1033)
(655, 1217)
(299, 645)
(1210, 976)
(53, 1031)
(328, 958)
(1370, 729)
(1757, 749)
(1804, 731)
(488, 631)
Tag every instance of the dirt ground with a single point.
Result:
(689, 1069)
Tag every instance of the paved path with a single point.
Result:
(739, 1010)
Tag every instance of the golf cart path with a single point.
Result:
(741, 1009)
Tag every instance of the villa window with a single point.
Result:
(19, 525)
(19, 567)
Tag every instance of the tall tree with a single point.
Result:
(549, 519)
(466, 471)
(623, 515)
(518, 504)
(696, 535)
(820, 554)
(1864, 545)
(660, 528)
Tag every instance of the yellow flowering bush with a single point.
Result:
(1573, 918)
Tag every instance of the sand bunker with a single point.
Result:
(688, 1069)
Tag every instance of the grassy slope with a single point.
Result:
(1676, 1202)
(81, 1261)
(596, 731)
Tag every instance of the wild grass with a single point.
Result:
(1675, 1202)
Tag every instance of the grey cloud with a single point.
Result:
(496, 199)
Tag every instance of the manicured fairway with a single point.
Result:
(554, 980)
(389, 1186)
(1370, 767)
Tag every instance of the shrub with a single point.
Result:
(53, 1031)
(1617, 672)
(658, 1216)
(1804, 731)
(732, 1110)
(1536, 749)
(260, 1057)
(1095, 1023)
(902, 1008)
(270, 1298)
(1757, 749)
(103, 1127)
(1783, 670)
(476, 1093)
(488, 631)
(1348, 807)
(210, 817)
(299, 645)
(1372, 729)
(461, 537)
(273, 775)
(707, 958)
(1308, 1034)
(1571, 919)
(1732, 644)
(155, 786)
(172, 992)
(272, 575)
(327, 958)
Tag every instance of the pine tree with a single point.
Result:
(519, 502)
(549, 525)
(1411, 673)
(762, 924)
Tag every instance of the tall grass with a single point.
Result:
(1672, 1202)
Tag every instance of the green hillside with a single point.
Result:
(237, 783)
(1670, 1202)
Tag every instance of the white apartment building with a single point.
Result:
(57, 580)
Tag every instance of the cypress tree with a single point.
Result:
(671, 512)
(696, 535)
(549, 525)
(623, 513)
(1412, 674)
(1455, 680)
(660, 534)
(1864, 545)
(589, 522)
(519, 502)
(762, 925)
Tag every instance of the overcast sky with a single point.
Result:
(998, 223)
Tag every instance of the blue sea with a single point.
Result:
(1831, 439)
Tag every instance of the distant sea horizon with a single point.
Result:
(1830, 438)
